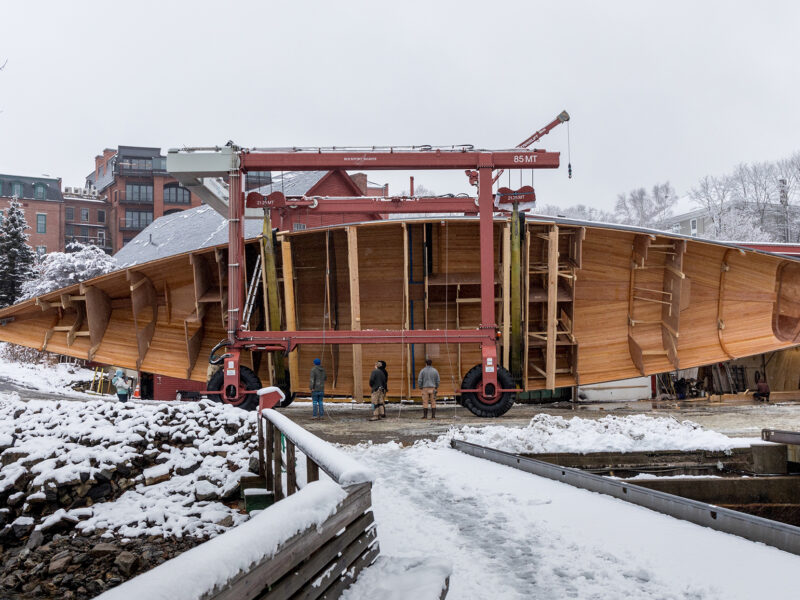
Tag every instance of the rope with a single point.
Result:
(569, 154)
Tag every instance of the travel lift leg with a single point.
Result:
(230, 365)
(488, 387)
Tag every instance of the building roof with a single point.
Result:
(184, 231)
(52, 187)
(292, 183)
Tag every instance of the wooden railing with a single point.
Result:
(267, 557)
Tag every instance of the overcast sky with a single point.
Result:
(656, 90)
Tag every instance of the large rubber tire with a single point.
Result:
(247, 379)
(471, 400)
(286, 388)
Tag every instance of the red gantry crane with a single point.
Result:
(489, 389)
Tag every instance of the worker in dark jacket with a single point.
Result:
(428, 382)
(762, 391)
(382, 367)
(377, 383)
(317, 385)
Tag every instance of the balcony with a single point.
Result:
(141, 167)
(124, 198)
(132, 224)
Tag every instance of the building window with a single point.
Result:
(676, 228)
(2, 214)
(41, 223)
(256, 179)
(38, 191)
(101, 216)
(137, 164)
(298, 226)
(1, 188)
(138, 192)
(70, 214)
(40, 250)
(17, 190)
(101, 237)
(138, 219)
(85, 215)
(175, 194)
(693, 227)
(84, 233)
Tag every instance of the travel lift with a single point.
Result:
(193, 166)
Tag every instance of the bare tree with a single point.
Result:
(646, 209)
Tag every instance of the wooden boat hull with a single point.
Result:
(628, 302)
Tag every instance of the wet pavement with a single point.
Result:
(348, 423)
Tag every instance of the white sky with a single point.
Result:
(656, 90)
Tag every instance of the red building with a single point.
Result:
(42, 202)
(86, 216)
(138, 188)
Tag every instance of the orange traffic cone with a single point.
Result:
(137, 393)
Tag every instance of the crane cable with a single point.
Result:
(569, 155)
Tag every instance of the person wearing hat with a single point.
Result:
(317, 385)
(122, 385)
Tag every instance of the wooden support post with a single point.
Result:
(355, 310)
(507, 268)
(98, 312)
(262, 471)
(276, 463)
(268, 446)
(312, 470)
(291, 474)
(552, 307)
(144, 303)
(291, 309)
(272, 307)
(526, 306)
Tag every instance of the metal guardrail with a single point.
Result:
(757, 529)
(780, 436)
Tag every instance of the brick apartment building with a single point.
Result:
(86, 215)
(135, 182)
(42, 203)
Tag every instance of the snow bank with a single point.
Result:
(546, 433)
(200, 450)
(212, 564)
(341, 467)
(392, 578)
(46, 378)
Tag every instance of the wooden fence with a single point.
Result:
(320, 561)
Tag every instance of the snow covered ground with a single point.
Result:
(513, 535)
(504, 533)
(55, 379)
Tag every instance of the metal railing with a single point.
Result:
(128, 224)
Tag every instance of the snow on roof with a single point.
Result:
(293, 183)
(191, 229)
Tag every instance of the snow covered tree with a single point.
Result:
(646, 209)
(731, 218)
(581, 212)
(60, 269)
(16, 256)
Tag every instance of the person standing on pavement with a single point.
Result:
(382, 367)
(317, 385)
(377, 383)
(123, 386)
(428, 382)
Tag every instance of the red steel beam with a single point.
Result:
(368, 205)
(290, 339)
(429, 160)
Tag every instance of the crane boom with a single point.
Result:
(561, 118)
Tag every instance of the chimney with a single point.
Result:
(360, 180)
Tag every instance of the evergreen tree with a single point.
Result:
(16, 256)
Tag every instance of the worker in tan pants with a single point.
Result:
(428, 382)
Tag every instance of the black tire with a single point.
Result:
(286, 388)
(247, 379)
(471, 400)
